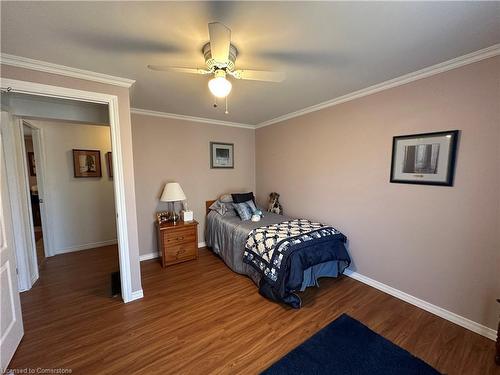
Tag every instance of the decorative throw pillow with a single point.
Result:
(252, 206)
(243, 209)
(224, 209)
(244, 197)
(218, 207)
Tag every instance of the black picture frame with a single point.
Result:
(450, 162)
(214, 164)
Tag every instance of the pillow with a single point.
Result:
(226, 198)
(252, 206)
(224, 209)
(218, 207)
(243, 197)
(243, 209)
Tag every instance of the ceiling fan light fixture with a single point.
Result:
(220, 86)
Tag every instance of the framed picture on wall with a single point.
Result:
(109, 164)
(87, 163)
(31, 163)
(221, 155)
(426, 159)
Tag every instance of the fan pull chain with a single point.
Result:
(215, 101)
(226, 107)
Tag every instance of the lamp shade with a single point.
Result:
(172, 192)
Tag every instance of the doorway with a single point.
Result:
(34, 197)
(17, 188)
(70, 192)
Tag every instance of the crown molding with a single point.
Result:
(43, 66)
(204, 120)
(470, 58)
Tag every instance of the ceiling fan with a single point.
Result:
(220, 59)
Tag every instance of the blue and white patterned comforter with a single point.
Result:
(281, 252)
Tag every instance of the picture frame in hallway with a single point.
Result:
(221, 155)
(87, 163)
(424, 159)
(109, 164)
(31, 163)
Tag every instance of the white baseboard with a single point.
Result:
(33, 279)
(138, 294)
(433, 309)
(149, 256)
(86, 246)
(156, 254)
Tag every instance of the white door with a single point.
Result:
(11, 321)
(40, 181)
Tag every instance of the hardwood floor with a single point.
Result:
(199, 317)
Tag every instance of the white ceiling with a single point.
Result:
(327, 49)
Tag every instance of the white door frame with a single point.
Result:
(27, 270)
(40, 164)
(119, 181)
(33, 266)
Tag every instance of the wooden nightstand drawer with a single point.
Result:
(181, 253)
(177, 243)
(180, 236)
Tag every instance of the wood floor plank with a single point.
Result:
(199, 317)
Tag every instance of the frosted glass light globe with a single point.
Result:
(220, 87)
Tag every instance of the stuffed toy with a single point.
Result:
(274, 204)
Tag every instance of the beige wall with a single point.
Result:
(175, 150)
(125, 139)
(440, 244)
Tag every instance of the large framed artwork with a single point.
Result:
(221, 155)
(426, 159)
(87, 163)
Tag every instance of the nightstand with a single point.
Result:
(177, 243)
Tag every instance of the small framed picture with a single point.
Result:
(426, 159)
(221, 155)
(31, 163)
(109, 164)
(87, 163)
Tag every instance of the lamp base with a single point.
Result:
(174, 217)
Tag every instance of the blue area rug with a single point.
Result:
(346, 346)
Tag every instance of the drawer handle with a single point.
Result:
(180, 238)
(181, 251)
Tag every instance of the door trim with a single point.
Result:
(117, 155)
(40, 162)
(19, 202)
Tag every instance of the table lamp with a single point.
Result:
(172, 192)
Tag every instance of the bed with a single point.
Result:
(280, 265)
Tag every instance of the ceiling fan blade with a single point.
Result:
(258, 75)
(220, 40)
(166, 68)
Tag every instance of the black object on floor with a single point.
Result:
(346, 346)
(116, 285)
